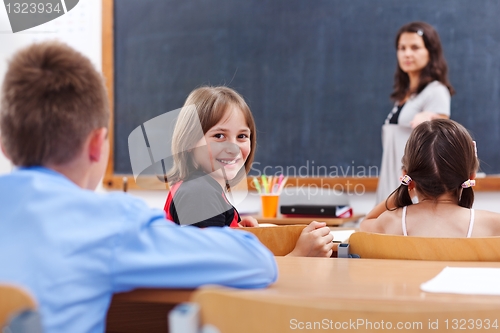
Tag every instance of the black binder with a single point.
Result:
(316, 210)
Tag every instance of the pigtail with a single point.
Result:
(401, 197)
(466, 198)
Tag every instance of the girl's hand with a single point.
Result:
(248, 221)
(314, 241)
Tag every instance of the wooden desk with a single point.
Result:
(318, 295)
(143, 310)
(281, 220)
(366, 279)
(351, 287)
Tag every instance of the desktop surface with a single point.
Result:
(345, 286)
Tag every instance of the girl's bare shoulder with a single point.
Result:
(486, 223)
(391, 216)
(486, 215)
(389, 222)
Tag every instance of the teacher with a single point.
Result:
(421, 93)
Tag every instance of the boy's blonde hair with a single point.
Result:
(52, 99)
(205, 106)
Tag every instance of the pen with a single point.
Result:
(256, 184)
(125, 184)
(273, 185)
(270, 184)
(280, 179)
(264, 183)
(282, 184)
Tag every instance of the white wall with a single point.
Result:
(5, 165)
(361, 204)
(81, 28)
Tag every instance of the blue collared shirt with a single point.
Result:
(73, 248)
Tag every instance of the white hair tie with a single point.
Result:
(469, 183)
(405, 180)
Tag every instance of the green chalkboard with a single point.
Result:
(317, 74)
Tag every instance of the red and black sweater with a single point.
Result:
(200, 201)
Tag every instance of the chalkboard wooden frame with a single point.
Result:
(115, 181)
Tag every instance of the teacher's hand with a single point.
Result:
(425, 116)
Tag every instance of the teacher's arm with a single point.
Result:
(436, 104)
(426, 116)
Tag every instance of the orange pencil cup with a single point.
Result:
(269, 204)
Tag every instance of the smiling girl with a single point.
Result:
(213, 147)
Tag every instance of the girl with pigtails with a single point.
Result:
(435, 196)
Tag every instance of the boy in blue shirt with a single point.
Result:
(70, 247)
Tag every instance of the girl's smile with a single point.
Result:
(225, 147)
(227, 162)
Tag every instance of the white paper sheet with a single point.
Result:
(465, 280)
(342, 235)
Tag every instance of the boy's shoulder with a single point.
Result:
(54, 192)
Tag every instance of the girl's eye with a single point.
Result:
(415, 48)
(219, 136)
(242, 136)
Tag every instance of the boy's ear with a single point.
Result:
(97, 140)
(3, 150)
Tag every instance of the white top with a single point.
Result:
(469, 232)
(434, 98)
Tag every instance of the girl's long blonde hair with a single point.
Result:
(205, 106)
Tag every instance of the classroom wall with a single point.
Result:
(84, 22)
(5, 165)
(80, 27)
(361, 204)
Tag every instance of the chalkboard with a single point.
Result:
(317, 75)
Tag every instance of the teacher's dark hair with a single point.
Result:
(436, 69)
(439, 156)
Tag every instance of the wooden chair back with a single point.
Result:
(250, 311)
(280, 240)
(13, 300)
(382, 246)
(240, 311)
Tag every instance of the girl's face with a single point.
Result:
(412, 54)
(223, 150)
